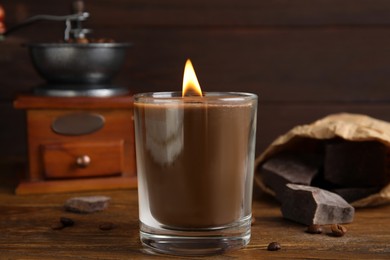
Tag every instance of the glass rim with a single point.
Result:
(208, 97)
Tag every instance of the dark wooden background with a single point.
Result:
(304, 58)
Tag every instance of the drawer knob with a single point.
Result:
(83, 161)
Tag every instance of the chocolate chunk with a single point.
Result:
(353, 194)
(356, 164)
(286, 168)
(311, 205)
(87, 204)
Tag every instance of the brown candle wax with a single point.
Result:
(193, 157)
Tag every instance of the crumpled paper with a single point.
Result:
(352, 127)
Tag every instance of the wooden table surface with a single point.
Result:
(25, 230)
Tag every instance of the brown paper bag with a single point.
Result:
(352, 127)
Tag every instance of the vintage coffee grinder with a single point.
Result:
(80, 126)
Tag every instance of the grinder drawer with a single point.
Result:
(82, 159)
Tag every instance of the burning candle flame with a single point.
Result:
(191, 85)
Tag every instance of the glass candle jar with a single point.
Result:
(195, 163)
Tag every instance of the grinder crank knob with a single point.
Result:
(74, 27)
(78, 7)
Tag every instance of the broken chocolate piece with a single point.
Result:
(311, 205)
(286, 168)
(87, 204)
(356, 164)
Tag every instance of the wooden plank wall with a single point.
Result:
(305, 59)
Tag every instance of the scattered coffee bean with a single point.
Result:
(66, 222)
(274, 246)
(314, 229)
(57, 226)
(338, 230)
(106, 226)
(253, 220)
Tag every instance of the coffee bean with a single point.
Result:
(106, 226)
(253, 220)
(338, 230)
(57, 226)
(314, 229)
(67, 222)
(274, 246)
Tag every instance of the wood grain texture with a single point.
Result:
(26, 234)
(279, 65)
(219, 12)
(75, 185)
(301, 53)
(282, 65)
